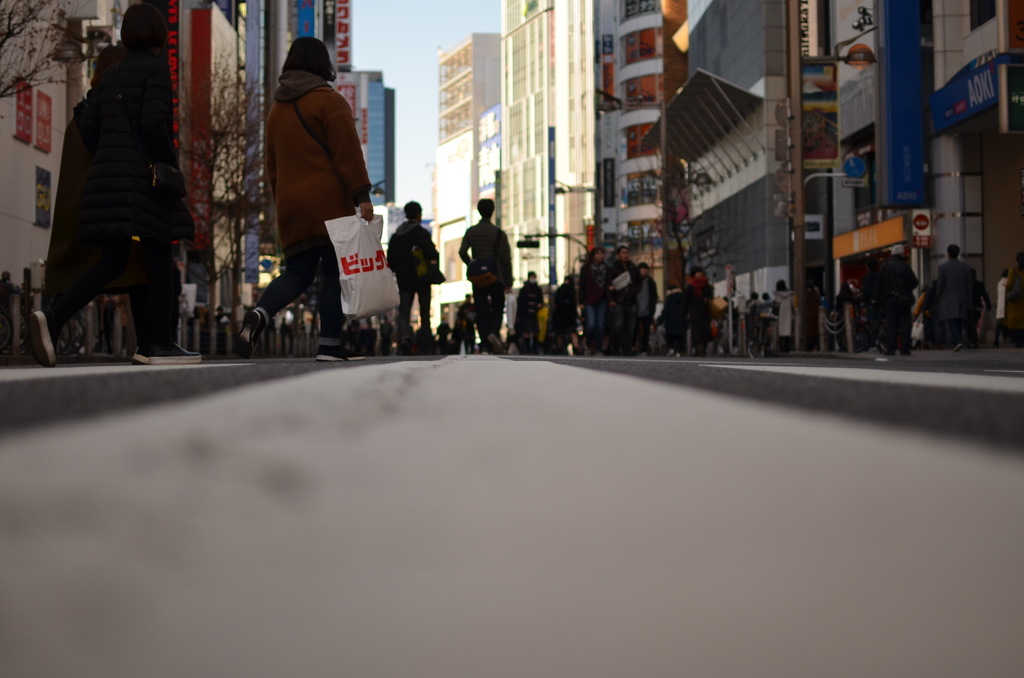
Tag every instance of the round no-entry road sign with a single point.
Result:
(921, 222)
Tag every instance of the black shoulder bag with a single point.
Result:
(318, 140)
(167, 180)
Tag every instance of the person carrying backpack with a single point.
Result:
(412, 257)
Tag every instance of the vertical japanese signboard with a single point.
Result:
(44, 122)
(1011, 98)
(608, 64)
(343, 34)
(170, 9)
(42, 197)
(900, 113)
(199, 105)
(489, 150)
(23, 115)
(307, 19)
(820, 136)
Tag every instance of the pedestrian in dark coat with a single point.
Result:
(895, 288)
(531, 298)
(411, 253)
(566, 316)
(954, 291)
(673, 318)
(317, 173)
(622, 301)
(980, 303)
(696, 306)
(594, 298)
(126, 124)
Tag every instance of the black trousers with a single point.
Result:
(299, 273)
(490, 306)
(152, 303)
(405, 310)
(899, 317)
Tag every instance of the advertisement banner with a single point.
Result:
(643, 90)
(489, 151)
(643, 45)
(343, 34)
(809, 45)
(608, 64)
(306, 19)
(635, 146)
(901, 166)
(1011, 99)
(170, 10)
(44, 122)
(972, 91)
(608, 187)
(200, 178)
(821, 116)
(23, 116)
(347, 87)
(42, 197)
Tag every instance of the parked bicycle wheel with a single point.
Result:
(72, 337)
(6, 332)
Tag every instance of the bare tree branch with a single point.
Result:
(30, 33)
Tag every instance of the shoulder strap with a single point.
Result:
(318, 140)
(131, 129)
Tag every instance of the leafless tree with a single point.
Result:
(224, 162)
(30, 33)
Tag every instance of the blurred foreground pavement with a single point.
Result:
(496, 518)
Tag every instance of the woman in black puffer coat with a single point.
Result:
(127, 123)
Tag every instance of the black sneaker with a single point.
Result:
(141, 356)
(326, 354)
(172, 355)
(252, 327)
(41, 340)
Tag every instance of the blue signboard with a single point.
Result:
(973, 90)
(901, 169)
(855, 167)
(228, 7)
(307, 19)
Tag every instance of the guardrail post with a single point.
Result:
(15, 324)
(848, 328)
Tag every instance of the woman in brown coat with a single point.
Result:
(317, 173)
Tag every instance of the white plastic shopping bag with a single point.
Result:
(368, 286)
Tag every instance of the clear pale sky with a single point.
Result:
(401, 38)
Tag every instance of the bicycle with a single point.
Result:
(760, 339)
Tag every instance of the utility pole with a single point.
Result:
(794, 75)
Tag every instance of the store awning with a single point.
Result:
(707, 119)
(870, 238)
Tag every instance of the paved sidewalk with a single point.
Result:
(428, 519)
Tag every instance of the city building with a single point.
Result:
(720, 139)
(468, 152)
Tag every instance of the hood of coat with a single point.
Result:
(293, 84)
(408, 227)
(784, 294)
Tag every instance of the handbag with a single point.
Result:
(484, 272)
(622, 281)
(166, 180)
(1018, 288)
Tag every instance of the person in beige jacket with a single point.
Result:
(317, 173)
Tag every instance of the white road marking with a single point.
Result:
(480, 517)
(1007, 371)
(975, 382)
(29, 373)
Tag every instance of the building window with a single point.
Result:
(643, 90)
(635, 146)
(642, 45)
(982, 11)
(641, 189)
(632, 8)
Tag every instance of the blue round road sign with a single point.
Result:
(855, 167)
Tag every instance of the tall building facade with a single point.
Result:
(469, 122)
(548, 135)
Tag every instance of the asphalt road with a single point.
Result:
(952, 406)
(514, 517)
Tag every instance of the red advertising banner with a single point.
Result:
(44, 122)
(200, 176)
(642, 45)
(23, 116)
(643, 90)
(635, 146)
(364, 126)
(343, 34)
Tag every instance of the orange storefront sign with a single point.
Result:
(1015, 24)
(874, 237)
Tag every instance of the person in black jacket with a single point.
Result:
(895, 290)
(622, 301)
(696, 306)
(411, 252)
(126, 125)
(566, 316)
(486, 241)
(646, 303)
(673, 318)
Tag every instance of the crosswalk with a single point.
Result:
(485, 517)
